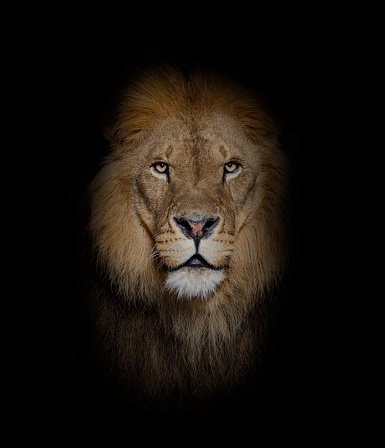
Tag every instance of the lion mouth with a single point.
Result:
(196, 261)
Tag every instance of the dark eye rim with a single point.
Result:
(226, 171)
(154, 166)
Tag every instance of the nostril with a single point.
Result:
(210, 224)
(184, 224)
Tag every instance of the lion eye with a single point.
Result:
(160, 170)
(231, 167)
(160, 167)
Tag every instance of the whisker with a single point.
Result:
(154, 254)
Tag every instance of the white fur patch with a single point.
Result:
(187, 283)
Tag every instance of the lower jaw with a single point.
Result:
(188, 283)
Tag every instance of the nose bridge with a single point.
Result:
(196, 205)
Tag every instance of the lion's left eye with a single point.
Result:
(231, 167)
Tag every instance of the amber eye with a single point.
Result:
(160, 167)
(231, 167)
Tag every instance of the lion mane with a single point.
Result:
(188, 240)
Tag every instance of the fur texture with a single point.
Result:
(164, 330)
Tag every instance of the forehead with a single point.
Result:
(217, 137)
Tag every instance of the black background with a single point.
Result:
(299, 63)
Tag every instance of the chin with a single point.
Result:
(189, 283)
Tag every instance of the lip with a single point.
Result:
(195, 262)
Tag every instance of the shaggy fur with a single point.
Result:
(187, 333)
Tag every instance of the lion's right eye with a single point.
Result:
(160, 169)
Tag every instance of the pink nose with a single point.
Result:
(196, 228)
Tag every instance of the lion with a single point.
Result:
(188, 237)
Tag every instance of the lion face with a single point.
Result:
(189, 204)
(193, 189)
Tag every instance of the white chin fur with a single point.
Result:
(187, 283)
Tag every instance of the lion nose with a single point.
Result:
(196, 229)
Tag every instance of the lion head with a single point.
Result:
(188, 209)
(190, 201)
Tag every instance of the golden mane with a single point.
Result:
(162, 91)
(153, 342)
